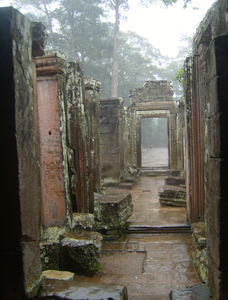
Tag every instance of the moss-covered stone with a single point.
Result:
(80, 252)
(112, 211)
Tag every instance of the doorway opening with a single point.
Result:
(154, 142)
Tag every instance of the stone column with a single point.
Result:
(51, 117)
(111, 137)
(92, 97)
(78, 132)
(20, 273)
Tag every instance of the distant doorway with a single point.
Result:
(154, 142)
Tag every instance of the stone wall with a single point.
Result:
(206, 81)
(20, 186)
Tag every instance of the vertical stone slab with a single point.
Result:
(82, 185)
(51, 117)
(111, 136)
(20, 191)
(92, 97)
(216, 165)
(188, 128)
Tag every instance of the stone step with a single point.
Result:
(196, 292)
(134, 228)
(72, 290)
(172, 195)
(125, 186)
(153, 173)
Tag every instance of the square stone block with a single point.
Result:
(112, 211)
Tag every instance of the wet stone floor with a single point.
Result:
(149, 265)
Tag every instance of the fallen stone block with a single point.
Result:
(177, 181)
(112, 211)
(172, 195)
(80, 251)
(57, 289)
(196, 292)
(58, 275)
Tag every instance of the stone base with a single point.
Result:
(56, 289)
(172, 195)
(112, 211)
(177, 181)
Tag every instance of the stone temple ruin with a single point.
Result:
(62, 146)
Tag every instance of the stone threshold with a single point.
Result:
(149, 229)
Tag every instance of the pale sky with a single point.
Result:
(161, 26)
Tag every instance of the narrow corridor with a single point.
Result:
(149, 265)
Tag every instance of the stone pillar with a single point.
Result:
(20, 274)
(180, 132)
(78, 132)
(111, 140)
(51, 117)
(138, 143)
(92, 97)
(188, 128)
(173, 141)
(216, 165)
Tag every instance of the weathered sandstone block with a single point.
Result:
(172, 195)
(80, 252)
(112, 211)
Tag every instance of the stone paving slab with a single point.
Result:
(166, 263)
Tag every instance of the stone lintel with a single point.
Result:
(111, 101)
